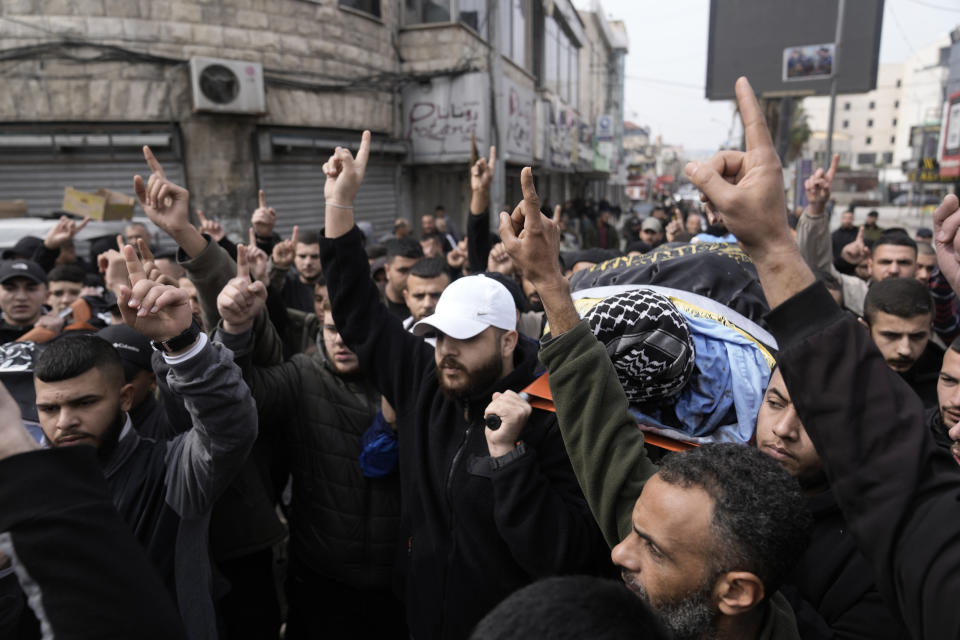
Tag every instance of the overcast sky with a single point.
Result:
(666, 64)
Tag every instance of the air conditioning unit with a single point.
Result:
(227, 86)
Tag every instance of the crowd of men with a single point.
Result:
(358, 407)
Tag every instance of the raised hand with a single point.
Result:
(345, 173)
(285, 250)
(673, 229)
(514, 412)
(150, 267)
(856, 251)
(158, 311)
(818, 186)
(481, 175)
(500, 261)
(164, 202)
(241, 300)
(264, 218)
(63, 232)
(458, 255)
(256, 258)
(210, 227)
(530, 238)
(114, 269)
(746, 188)
(946, 223)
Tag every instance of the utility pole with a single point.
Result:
(833, 79)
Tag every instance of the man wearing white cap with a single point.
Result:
(484, 510)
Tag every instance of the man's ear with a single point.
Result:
(508, 342)
(737, 592)
(126, 397)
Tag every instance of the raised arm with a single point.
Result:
(478, 223)
(166, 204)
(393, 358)
(603, 441)
(202, 461)
(897, 491)
(813, 228)
(69, 547)
(247, 332)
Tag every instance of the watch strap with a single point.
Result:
(514, 454)
(180, 342)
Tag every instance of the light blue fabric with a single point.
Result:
(706, 237)
(731, 373)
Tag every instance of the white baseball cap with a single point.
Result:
(470, 305)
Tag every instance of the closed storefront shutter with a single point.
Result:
(290, 174)
(41, 185)
(295, 190)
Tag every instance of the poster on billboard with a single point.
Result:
(787, 47)
(810, 62)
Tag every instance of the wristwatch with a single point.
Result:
(180, 342)
(501, 461)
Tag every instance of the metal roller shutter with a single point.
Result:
(42, 184)
(295, 190)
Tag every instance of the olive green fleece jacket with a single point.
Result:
(606, 449)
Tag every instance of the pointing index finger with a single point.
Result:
(493, 158)
(363, 153)
(243, 268)
(263, 199)
(531, 210)
(754, 126)
(293, 237)
(144, 250)
(134, 266)
(153, 163)
(832, 171)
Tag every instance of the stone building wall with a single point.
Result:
(310, 42)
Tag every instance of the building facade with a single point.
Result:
(89, 82)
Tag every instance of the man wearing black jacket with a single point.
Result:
(485, 511)
(82, 567)
(898, 492)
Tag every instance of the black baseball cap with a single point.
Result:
(134, 348)
(10, 269)
(924, 232)
(25, 247)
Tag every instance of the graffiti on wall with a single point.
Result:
(518, 140)
(443, 117)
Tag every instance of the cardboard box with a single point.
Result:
(102, 205)
(13, 209)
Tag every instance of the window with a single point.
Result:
(869, 139)
(846, 106)
(894, 122)
(420, 11)
(869, 123)
(873, 105)
(367, 6)
(899, 83)
(896, 104)
(514, 37)
(888, 157)
(561, 61)
(846, 124)
(866, 158)
(473, 13)
(893, 139)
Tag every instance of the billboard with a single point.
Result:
(785, 47)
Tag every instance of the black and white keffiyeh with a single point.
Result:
(648, 341)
